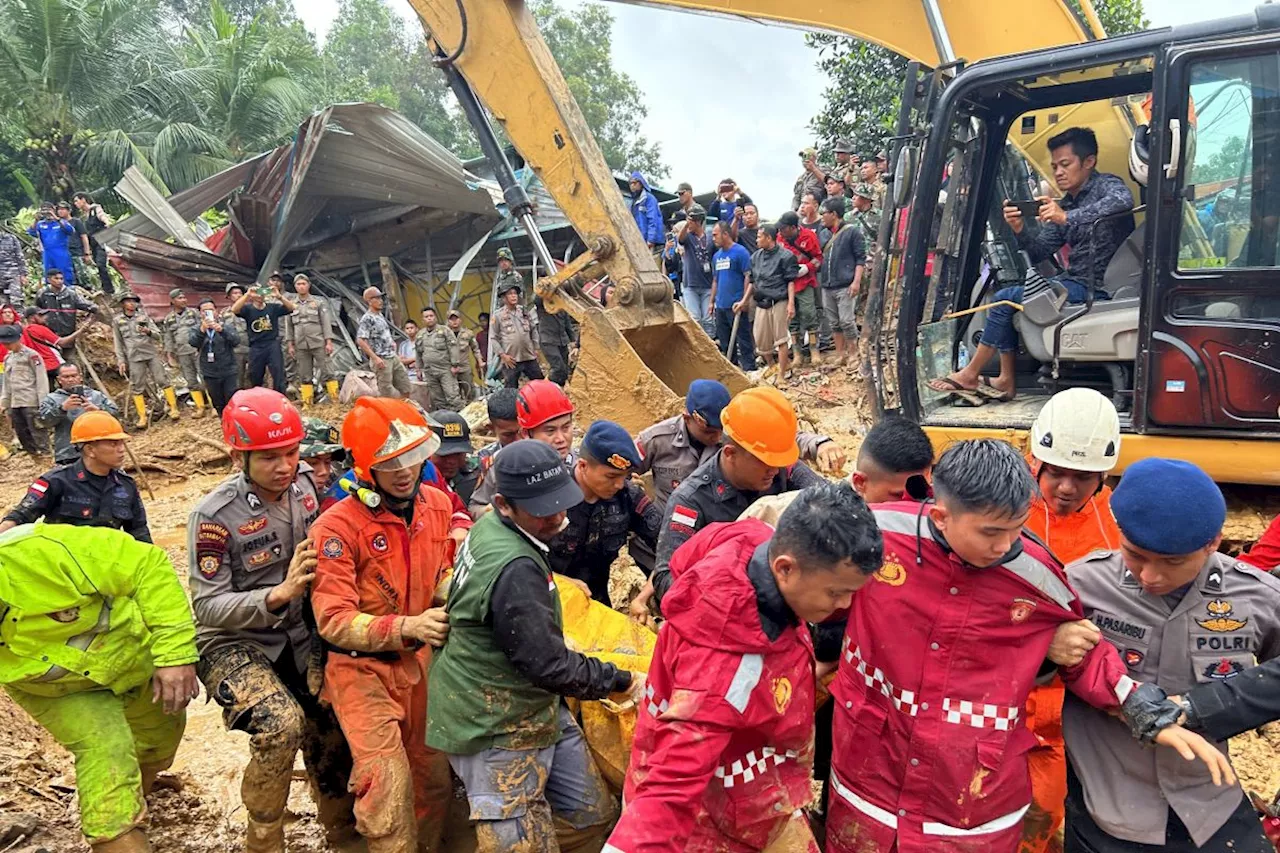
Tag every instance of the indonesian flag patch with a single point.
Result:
(684, 516)
(38, 488)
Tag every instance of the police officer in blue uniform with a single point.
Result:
(613, 508)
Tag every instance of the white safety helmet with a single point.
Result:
(1140, 154)
(1077, 429)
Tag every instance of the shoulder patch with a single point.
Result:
(211, 533)
(209, 564)
(684, 516)
(332, 548)
(38, 487)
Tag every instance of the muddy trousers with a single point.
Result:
(270, 702)
(538, 800)
(402, 787)
(147, 371)
(31, 436)
(119, 744)
(442, 387)
(313, 365)
(1047, 763)
(189, 366)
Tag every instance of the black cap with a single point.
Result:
(532, 475)
(788, 218)
(454, 431)
(33, 310)
(9, 334)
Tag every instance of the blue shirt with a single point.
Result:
(731, 266)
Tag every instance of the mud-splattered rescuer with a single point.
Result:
(497, 687)
(97, 644)
(375, 580)
(251, 563)
(723, 752)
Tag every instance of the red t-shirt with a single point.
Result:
(808, 252)
(43, 340)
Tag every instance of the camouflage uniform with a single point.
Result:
(177, 327)
(13, 268)
(310, 327)
(254, 662)
(135, 339)
(468, 347)
(437, 352)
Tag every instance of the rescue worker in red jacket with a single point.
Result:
(940, 654)
(376, 577)
(1075, 441)
(723, 749)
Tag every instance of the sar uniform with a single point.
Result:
(70, 494)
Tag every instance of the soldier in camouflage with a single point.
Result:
(811, 180)
(309, 330)
(846, 168)
(13, 269)
(468, 347)
(177, 326)
(866, 216)
(134, 335)
(439, 362)
(232, 320)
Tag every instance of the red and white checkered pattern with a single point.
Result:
(654, 708)
(980, 715)
(752, 765)
(903, 700)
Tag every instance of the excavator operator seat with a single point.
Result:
(1123, 278)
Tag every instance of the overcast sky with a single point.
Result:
(748, 113)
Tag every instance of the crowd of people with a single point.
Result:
(383, 599)
(781, 292)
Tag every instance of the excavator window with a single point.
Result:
(1230, 194)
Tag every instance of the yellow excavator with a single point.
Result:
(1187, 341)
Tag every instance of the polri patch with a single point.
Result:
(1220, 619)
(209, 564)
(332, 548)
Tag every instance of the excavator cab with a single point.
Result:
(1184, 332)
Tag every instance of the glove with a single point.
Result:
(1147, 709)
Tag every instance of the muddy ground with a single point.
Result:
(197, 808)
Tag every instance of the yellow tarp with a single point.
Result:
(598, 630)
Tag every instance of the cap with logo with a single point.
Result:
(453, 429)
(706, 399)
(609, 444)
(319, 438)
(532, 475)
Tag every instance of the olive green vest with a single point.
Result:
(477, 699)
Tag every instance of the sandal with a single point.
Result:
(991, 392)
(951, 386)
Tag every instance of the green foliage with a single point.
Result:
(1229, 161)
(865, 80)
(371, 55)
(582, 43)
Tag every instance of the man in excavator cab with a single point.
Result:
(1085, 221)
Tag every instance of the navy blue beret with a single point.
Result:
(610, 444)
(708, 398)
(1168, 506)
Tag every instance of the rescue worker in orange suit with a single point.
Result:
(1075, 441)
(251, 563)
(940, 653)
(723, 749)
(376, 577)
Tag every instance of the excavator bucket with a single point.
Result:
(637, 373)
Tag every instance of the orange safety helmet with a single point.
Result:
(762, 421)
(539, 401)
(386, 434)
(96, 426)
(260, 419)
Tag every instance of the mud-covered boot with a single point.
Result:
(140, 406)
(171, 400)
(264, 836)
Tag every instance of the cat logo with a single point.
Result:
(1220, 620)
(892, 572)
(781, 694)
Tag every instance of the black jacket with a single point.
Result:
(842, 255)
(771, 271)
(707, 497)
(69, 494)
(596, 533)
(524, 626)
(222, 344)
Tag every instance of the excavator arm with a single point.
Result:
(639, 355)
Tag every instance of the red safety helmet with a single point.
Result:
(539, 401)
(385, 434)
(260, 419)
